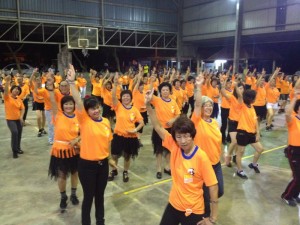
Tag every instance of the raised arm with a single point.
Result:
(54, 107)
(156, 124)
(74, 90)
(138, 81)
(239, 94)
(114, 89)
(198, 94)
(263, 72)
(223, 90)
(275, 73)
(187, 73)
(172, 76)
(7, 83)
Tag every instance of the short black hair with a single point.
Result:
(183, 125)
(165, 84)
(124, 92)
(190, 78)
(15, 86)
(249, 96)
(174, 81)
(297, 105)
(66, 98)
(240, 84)
(90, 102)
(182, 81)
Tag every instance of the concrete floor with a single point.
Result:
(29, 197)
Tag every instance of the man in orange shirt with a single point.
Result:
(191, 169)
(24, 96)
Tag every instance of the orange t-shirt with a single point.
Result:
(253, 85)
(235, 109)
(213, 93)
(225, 103)
(165, 110)
(272, 94)
(95, 136)
(13, 107)
(81, 81)
(156, 84)
(126, 119)
(248, 80)
(277, 82)
(97, 87)
(190, 89)
(261, 94)
(107, 96)
(189, 173)
(294, 131)
(139, 100)
(25, 91)
(58, 79)
(66, 130)
(208, 137)
(45, 94)
(37, 97)
(248, 119)
(179, 94)
(285, 87)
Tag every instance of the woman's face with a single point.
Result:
(272, 83)
(184, 141)
(141, 88)
(15, 92)
(108, 86)
(94, 112)
(177, 84)
(241, 88)
(228, 85)
(126, 99)
(69, 107)
(165, 92)
(183, 85)
(207, 109)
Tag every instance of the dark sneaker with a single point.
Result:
(40, 134)
(125, 176)
(74, 200)
(241, 174)
(63, 203)
(167, 172)
(20, 152)
(15, 155)
(297, 200)
(112, 175)
(158, 175)
(268, 128)
(43, 131)
(289, 202)
(251, 166)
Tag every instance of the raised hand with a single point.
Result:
(8, 79)
(71, 73)
(148, 96)
(199, 79)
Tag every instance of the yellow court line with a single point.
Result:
(167, 180)
(264, 152)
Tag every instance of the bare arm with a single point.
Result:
(290, 108)
(275, 73)
(114, 90)
(223, 90)
(156, 124)
(187, 73)
(74, 90)
(7, 83)
(198, 94)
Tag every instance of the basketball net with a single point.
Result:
(85, 52)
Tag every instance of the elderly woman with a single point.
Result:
(14, 110)
(191, 168)
(208, 137)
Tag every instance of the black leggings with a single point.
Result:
(25, 102)
(173, 216)
(93, 178)
(224, 117)
(15, 128)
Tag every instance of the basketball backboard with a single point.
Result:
(82, 37)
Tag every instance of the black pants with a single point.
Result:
(224, 117)
(293, 188)
(173, 216)
(25, 102)
(93, 178)
(192, 103)
(15, 128)
(215, 111)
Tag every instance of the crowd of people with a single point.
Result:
(187, 140)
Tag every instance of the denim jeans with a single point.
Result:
(48, 114)
(15, 128)
(218, 171)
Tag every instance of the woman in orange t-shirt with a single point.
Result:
(272, 99)
(106, 93)
(284, 92)
(82, 85)
(208, 137)
(191, 168)
(64, 156)
(95, 133)
(185, 107)
(125, 141)
(248, 133)
(14, 111)
(291, 194)
(97, 85)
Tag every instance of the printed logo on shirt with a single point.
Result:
(173, 109)
(107, 132)
(188, 178)
(132, 116)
